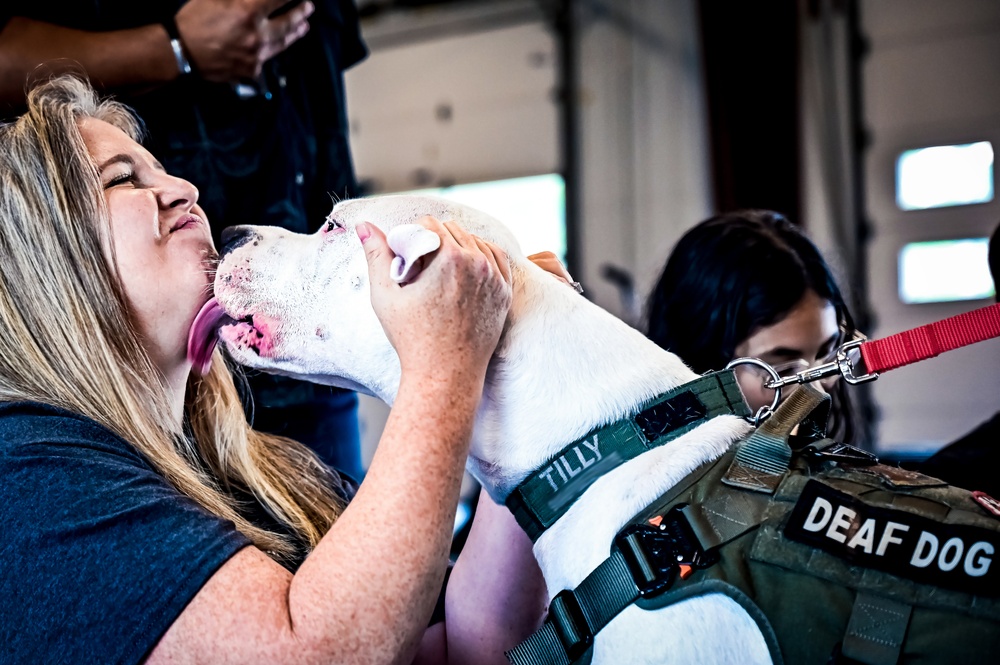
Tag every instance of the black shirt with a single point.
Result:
(971, 462)
(274, 158)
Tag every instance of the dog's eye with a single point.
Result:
(332, 224)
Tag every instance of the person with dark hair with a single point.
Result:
(750, 283)
(971, 461)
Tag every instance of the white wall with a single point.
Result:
(458, 108)
(643, 144)
(932, 78)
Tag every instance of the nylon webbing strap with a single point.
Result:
(932, 339)
(762, 459)
(542, 648)
(550, 490)
(604, 593)
(725, 516)
(876, 630)
(576, 616)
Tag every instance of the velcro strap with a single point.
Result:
(762, 459)
(876, 630)
(724, 516)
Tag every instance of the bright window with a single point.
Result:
(945, 175)
(533, 208)
(945, 270)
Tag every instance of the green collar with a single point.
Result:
(550, 490)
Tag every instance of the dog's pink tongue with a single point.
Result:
(204, 335)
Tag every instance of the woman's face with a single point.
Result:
(161, 239)
(809, 332)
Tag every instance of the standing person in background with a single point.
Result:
(750, 283)
(246, 100)
(971, 461)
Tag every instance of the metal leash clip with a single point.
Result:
(844, 365)
(764, 412)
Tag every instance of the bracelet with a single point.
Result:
(183, 65)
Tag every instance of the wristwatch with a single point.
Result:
(183, 65)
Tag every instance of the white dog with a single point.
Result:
(563, 368)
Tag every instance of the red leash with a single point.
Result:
(903, 348)
(927, 341)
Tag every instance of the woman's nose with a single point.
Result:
(176, 192)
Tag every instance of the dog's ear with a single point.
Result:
(410, 242)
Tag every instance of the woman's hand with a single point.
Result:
(551, 264)
(448, 319)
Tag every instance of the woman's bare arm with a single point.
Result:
(496, 594)
(225, 41)
(366, 592)
(110, 59)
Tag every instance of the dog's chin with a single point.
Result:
(248, 357)
(280, 366)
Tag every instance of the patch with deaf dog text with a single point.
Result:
(954, 556)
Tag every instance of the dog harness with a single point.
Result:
(837, 558)
(548, 493)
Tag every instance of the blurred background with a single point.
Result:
(602, 130)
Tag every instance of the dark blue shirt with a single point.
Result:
(98, 553)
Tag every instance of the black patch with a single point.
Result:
(945, 555)
(669, 415)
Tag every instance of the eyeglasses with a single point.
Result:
(793, 367)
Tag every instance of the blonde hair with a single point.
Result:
(66, 337)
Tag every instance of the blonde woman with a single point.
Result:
(142, 519)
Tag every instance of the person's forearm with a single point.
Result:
(385, 557)
(112, 60)
(496, 594)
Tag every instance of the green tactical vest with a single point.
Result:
(837, 558)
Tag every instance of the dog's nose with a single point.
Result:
(236, 236)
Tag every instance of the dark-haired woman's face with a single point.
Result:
(810, 332)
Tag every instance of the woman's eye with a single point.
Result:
(119, 179)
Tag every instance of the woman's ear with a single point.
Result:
(410, 243)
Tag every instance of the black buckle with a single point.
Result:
(571, 624)
(838, 452)
(655, 554)
(650, 558)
